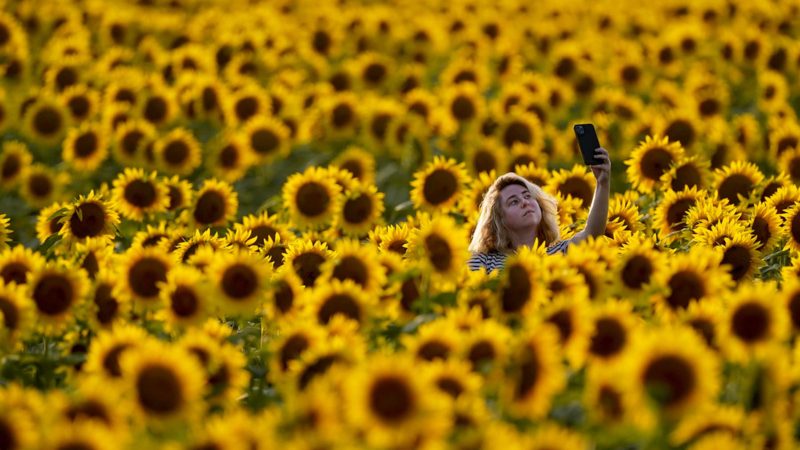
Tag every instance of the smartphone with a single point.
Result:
(587, 141)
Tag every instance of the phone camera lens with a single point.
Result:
(579, 129)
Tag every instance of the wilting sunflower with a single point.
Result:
(143, 271)
(58, 294)
(215, 204)
(360, 209)
(42, 185)
(139, 195)
(650, 160)
(392, 404)
(439, 185)
(358, 263)
(752, 322)
(671, 368)
(90, 216)
(533, 373)
(577, 183)
(164, 380)
(85, 147)
(670, 215)
(178, 152)
(689, 277)
(311, 198)
(240, 280)
(737, 181)
(442, 246)
(14, 159)
(16, 316)
(130, 138)
(46, 120)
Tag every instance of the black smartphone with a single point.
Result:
(588, 142)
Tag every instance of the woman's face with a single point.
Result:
(520, 209)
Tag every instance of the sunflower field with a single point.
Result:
(244, 225)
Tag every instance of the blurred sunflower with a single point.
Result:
(311, 198)
(41, 185)
(437, 340)
(266, 139)
(740, 253)
(577, 183)
(58, 294)
(751, 322)
(764, 225)
(439, 185)
(177, 152)
(637, 262)
(188, 247)
(783, 137)
(186, 301)
(359, 162)
(282, 298)
(86, 434)
(691, 171)
(689, 277)
(789, 164)
(463, 104)
(86, 147)
(105, 308)
(570, 317)
(90, 216)
(773, 90)
(356, 262)
(338, 298)
(81, 101)
(670, 214)
(215, 204)
(157, 104)
(164, 380)
(14, 160)
(650, 160)
(17, 262)
(240, 280)
(341, 115)
(139, 195)
(16, 315)
(93, 253)
(484, 156)
(791, 227)
(736, 181)
(46, 120)
(130, 140)
(442, 247)
(305, 259)
(228, 159)
(143, 271)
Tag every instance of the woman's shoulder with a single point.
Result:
(490, 260)
(559, 246)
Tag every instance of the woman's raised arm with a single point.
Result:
(598, 212)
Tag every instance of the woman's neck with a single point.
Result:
(523, 237)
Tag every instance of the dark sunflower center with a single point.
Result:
(292, 349)
(578, 188)
(484, 161)
(794, 229)
(517, 131)
(480, 353)
(318, 367)
(107, 305)
(209, 99)
(159, 390)
(306, 265)
(637, 271)
(276, 254)
(89, 410)
(379, 125)
(210, 208)
(86, 145)
(609, 338)
(176, 153)
(40, 185)
(90, 264)
(449, 385)
(631, 74)
(517, 290)
(140, 193)
(88, 220)
(47, 121)
(709, 107)
(339, 304)
(53, 295)
(239, 281)
(433, 349)
(439, 186)
(144, 276)
(111, 360)
(357, 210)
(669, 379)
(684, 287)
(14, 272)
(439, 252)
(79, 106)
(610, 402)
(184, 302)
(463, 108)
(351, 268)
(342, 115)
(11, 167)
(312, 199)
(130, 142)
(264, 141)
(705, 328)
(354, 167)
(155, 110)
(563, 321)
(733, 186)
(375, 73)
(739, 259)
(391, 399)
(10, 313)
(686, 176)
(655, 162)
(681, 130)
(677, 212)
(750, 322)
(409, 294)
(528, 374)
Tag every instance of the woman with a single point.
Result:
(516, 212)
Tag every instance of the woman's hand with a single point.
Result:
(602, 172)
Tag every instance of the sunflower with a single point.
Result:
(740, 253)
(17, 262)
(356, 262)
(736, 182)
(623, 213)
(164, 381)
(58, 294)
(130, 140)
(157, 104)
(85, 434)
(178, 152)
(439, 185)
(224, 367)
(533, 373)
(215, 204)
(42, 185)
(360, 209)
(783, 137)
(81, 101)
(144, 270)
(454, 378)
(390, 403)
(773, 90)
(14, 159)
(239, 280)
(485, 156)
(710, 420)
(105, 308)
(357, 161)
(589, 260)
(708, 211)
(789, 164)
(283, 295)
(338, 298)
(180, 192)
(691, 171)
(16, 315)
(637, 262)
(689, 277)
(139, 195)
(185, 297)
(186, 249)
(90, 216)
(85, 148)
(93, 253)
(392, 238)
(764, 225)
(305, 259)
(521, 288)
(650, 160)
(311, 198)
(671, 213)
(341, 114)
(91, 402)
(266, 139)
(46, 121)
(569, 316)
(442, 247)
(463, 104)
(229, 158)
(437, 340)
(578, 183)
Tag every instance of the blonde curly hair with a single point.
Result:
(491, 232)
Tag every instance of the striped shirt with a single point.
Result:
(497, 260)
